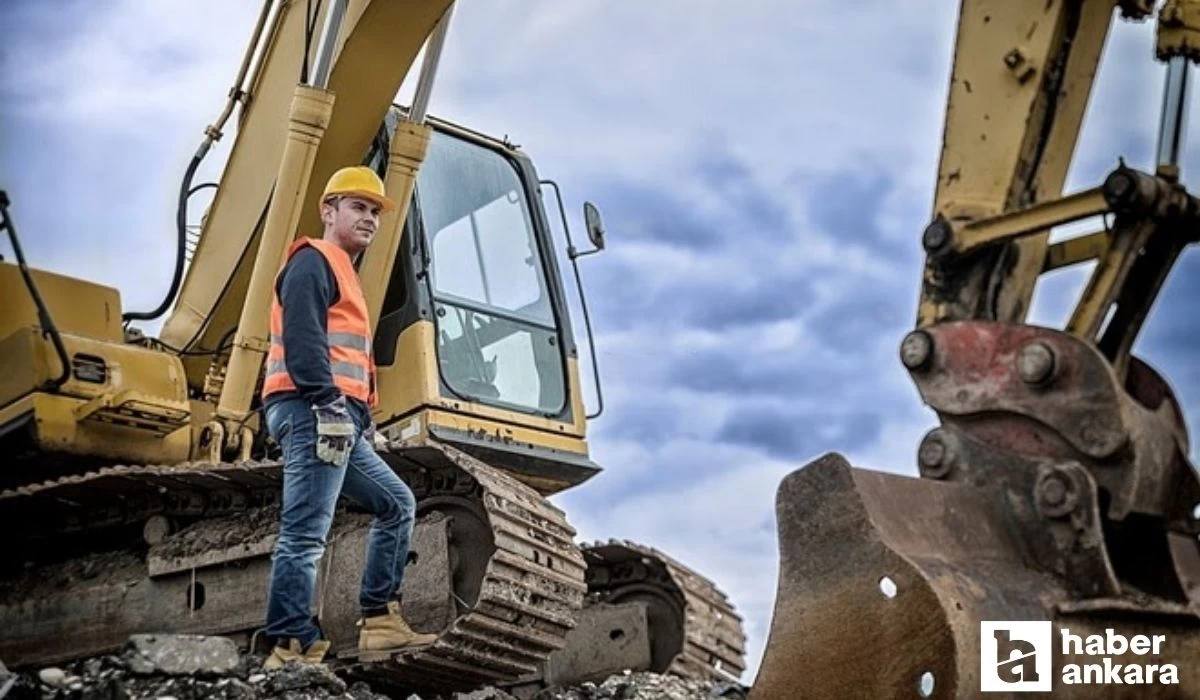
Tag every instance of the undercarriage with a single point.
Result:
(493, 570)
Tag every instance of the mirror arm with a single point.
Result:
(572, 253)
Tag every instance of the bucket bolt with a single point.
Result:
(1036, 363)
(916, 350)
(937, 236)
(935, 456)
(1056, 494)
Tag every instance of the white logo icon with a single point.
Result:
(1015, 656)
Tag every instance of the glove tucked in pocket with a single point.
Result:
(335, 432)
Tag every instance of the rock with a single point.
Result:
(52, 676)
(485, 694)
(361, 691)
(181, 655)
(639, 686)
(729, 691)
(238, 690)
(294, 676)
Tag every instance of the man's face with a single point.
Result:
(350, 223)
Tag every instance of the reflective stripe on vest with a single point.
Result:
(344, 369)
(348, 334)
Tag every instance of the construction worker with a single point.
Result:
(318, 394)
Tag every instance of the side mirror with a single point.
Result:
(595, 230)
(595, 225)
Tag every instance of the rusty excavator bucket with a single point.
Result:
(1053, 493)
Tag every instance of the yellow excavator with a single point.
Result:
(1057, 489)
(139, 491)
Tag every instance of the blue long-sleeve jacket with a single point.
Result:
(306, 289)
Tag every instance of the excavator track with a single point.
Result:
(530, 591)
(516, 578)
(130, 495)
(696, 632)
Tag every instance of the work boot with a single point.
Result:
(387, 634)
(280, 655)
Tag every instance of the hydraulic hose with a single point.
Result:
(211, 135)
(48, 327)
(181, 240)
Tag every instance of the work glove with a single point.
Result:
(375, 438)
(335, 432)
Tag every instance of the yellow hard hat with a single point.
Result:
(358, 181)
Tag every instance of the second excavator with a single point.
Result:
(1056, 497)
(139, 491)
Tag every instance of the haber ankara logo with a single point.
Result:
(1015, 656)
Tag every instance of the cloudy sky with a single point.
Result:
(765, 170)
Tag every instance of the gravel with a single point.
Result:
(648, 686)
(187, 667)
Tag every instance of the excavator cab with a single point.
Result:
(475, 317)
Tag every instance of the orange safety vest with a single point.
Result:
(348, 331)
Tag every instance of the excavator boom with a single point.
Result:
(376, 47)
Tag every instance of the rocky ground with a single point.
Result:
(176, 667)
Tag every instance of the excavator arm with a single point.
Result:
(1020, 84)
(374, 49)
(1057, 487)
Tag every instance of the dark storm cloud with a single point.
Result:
(791, 434)
(655, 213)
(644, 417)
(747, 370)
(864, 314)
(847, 204)
(728, 206)
(635, 293)
(758, 214)
(632, 297)
(775, 298)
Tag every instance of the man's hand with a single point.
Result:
(376, 438)
(335, 432)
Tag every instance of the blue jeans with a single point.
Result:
(310, 492)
